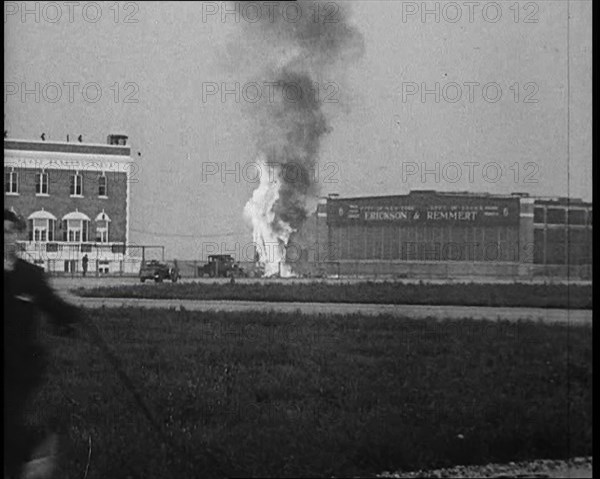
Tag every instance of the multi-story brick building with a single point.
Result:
(75, 198)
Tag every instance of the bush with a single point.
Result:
(473, 294)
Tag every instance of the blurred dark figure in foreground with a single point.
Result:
(26, 294)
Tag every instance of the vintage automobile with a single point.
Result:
(221, 265)
(158, 272)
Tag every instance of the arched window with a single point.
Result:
(76, 227)
(41, 226)
(102, 221)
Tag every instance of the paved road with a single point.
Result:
(573, 316)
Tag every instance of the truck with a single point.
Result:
(221, 265)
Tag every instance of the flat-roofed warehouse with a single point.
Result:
(506, 235)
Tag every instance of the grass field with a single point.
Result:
(516, 294)
(318, 396)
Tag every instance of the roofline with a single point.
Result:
(69, 147)
(462, 194)
(20, 140)
(428, 193)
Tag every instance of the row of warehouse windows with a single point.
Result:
(558, 246)
(561, 216)
(11, 184)
(420, 243)
(424, 243)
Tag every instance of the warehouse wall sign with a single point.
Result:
(408, 210)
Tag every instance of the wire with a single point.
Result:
(213, 462)
(180, 235)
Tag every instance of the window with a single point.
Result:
(40, 230)
(75, 231)
(102, 186)
(577, 236)
(576, 217)
(556, 243)
(41, 226)
(118, 248)
(11, 180)
(103, 267)
(557, 235)
(538, 246)
(102, 231)
(75, 227)
(76, 185)
(41, 183)
(70, 266)
(556, 216)
(102, 221)
(538, 215)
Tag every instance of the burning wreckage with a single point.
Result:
(290, 130)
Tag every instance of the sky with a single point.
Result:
(512, 111)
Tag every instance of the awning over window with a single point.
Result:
(102, 217)
(41, 215)
(76, 216)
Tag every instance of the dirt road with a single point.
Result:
(573, 316)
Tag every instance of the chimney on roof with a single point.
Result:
(117, 140)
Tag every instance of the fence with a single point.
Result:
(415, 269)
(66, 259)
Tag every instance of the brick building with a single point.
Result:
(75, 198)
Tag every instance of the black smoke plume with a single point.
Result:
(298, 58)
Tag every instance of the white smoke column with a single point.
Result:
(270, 242)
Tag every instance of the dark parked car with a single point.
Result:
(158, 272)
(221, 265)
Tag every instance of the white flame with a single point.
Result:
(270, 242)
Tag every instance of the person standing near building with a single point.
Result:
(175, 271)
(84, 264)
(26, 294)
